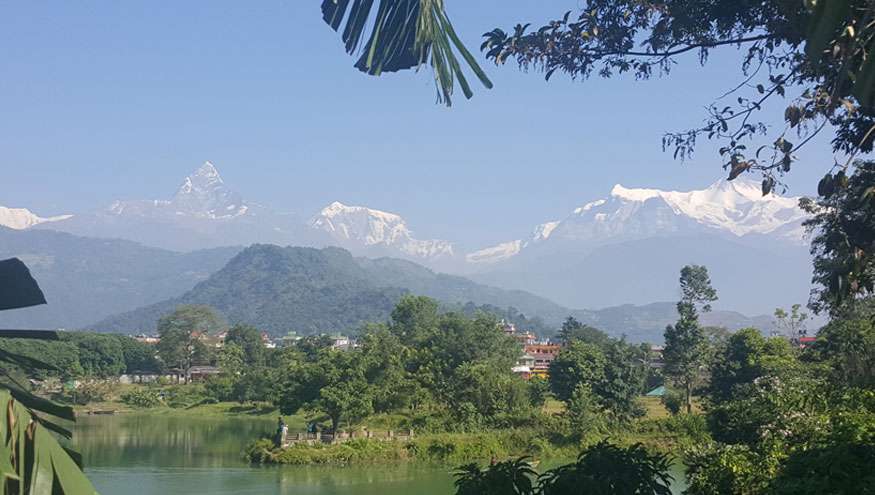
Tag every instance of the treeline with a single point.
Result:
(441, 371)
(78, 355)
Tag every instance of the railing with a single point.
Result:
(344, 436)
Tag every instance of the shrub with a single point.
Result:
(90, 391)
(141, 397)
(673, 400)
(719, 469)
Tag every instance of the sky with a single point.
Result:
(121, 100)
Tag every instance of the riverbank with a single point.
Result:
(668, 435)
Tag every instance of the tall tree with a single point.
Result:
(249, 340)
(182, 334)
(574, 330)
(791, 325)
(843, 243)
(685, 341)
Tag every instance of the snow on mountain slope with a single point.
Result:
(22, 218)
(735, 209)
(202, 194)
(359, 226)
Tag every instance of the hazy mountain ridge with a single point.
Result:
(325, 290)
(86, 279)
(581, 260)
(317, 290)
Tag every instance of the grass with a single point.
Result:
(653, 408)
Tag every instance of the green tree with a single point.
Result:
(574, 330)
(847, 347)
(511, 477)
(685, 343)
(139, 356)
(100, 355)
(605, 469)
(791, 325)
(248, 338)
(624, 380)
(182, 336)
(745, 357)
(333, 384)
(578, 363)
(843, 243)
(584, 412)
(415, 319)
(487, 391)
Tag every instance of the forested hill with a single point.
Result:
(319, 290)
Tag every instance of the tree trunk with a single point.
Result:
(688, 391)
(335, 424)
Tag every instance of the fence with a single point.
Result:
(341, 437)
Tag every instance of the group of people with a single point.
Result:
(282, 431)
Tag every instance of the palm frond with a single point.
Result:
(404, 34)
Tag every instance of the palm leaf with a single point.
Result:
(31, 460)
(404, 34)
(18, 289)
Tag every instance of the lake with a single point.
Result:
(137, 454)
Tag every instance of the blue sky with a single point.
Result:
(106, 100)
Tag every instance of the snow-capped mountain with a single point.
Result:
(735, 209)
(202, 194)
(22, 218)
(362, 227)
(203, 213)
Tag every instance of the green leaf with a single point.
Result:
(827, 20)
(864, 86)
(404, 34)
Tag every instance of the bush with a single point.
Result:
(673, 400)
(185, 396)
(720, 469)
(90, 391)
(142, 398)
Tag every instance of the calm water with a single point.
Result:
(144, 455)
(140, 455)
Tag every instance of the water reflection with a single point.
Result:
(145, 455)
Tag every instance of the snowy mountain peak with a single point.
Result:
(620, 192)
(204, 194)
(22, 218)
(367, 227)
(734, 208)
(542, 232)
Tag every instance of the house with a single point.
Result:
(544, 354)
(524, 366)
(342, 342)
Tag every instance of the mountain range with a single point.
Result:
(324, 290)
(87, 279)
(624, 248)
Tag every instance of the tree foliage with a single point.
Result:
(404, 34)
(685, 342)
(843, 242)
(816, 52)
(182, 334)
